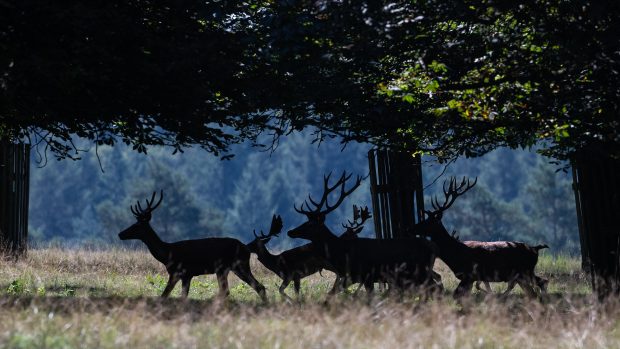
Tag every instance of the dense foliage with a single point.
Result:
(450, 78)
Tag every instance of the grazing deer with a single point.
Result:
(400, 262)
(501, 261)
(189, 258)
(291, 265)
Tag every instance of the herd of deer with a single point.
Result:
(402, 263)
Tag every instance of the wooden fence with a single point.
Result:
(396, 189)
(596, 181)
(14, 187)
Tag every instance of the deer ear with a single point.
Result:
(358, 230)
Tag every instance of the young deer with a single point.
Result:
(189, 258)
(291, 265)
(400, 262)
(501, 261)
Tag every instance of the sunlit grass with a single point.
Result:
(109, 299)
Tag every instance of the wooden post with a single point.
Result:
(396, 189)
(14, 190)
(596, 181)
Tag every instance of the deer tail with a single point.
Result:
(540, 247)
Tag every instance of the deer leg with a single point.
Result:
(186, 283)
(297, 285)
(542, 283)
(511, 284)
(222, 281)
(337, 284)
(370, 288)
(243, 271)
(526, 286)
(172, 281)
(283, 286)
(463, 288)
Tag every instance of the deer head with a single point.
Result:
(262, 239)
(432, 225)
(316, 216)
(353, 228)
(143, 217)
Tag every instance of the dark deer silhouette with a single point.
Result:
(540, 282)
(400, 262)
(300, 262)
(291, 265)
(189, 258)
(500, 261)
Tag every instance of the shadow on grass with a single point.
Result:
(170, 308)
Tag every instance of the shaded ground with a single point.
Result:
(66, 299)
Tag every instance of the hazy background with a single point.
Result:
(519, 195)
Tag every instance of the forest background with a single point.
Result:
(520, 195)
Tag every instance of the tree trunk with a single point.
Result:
(596, 181)
(14, 189)
(396, 189)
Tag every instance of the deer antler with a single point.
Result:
(274, 230)
(363, 214)
(354, 226)
(452, 192)
(327, 189)
(137, 209)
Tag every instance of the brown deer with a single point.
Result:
(500, 261)
(189, 258)
(400, 262)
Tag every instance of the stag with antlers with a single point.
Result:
(189, 258)
(400, 262)
(471, 261)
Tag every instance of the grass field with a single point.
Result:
(109, 299)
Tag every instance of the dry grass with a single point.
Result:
(107, 299)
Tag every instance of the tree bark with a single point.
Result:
(596, 181)
(14, 191)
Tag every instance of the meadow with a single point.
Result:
(63, 298)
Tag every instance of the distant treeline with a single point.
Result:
(519, 195)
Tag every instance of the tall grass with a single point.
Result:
(58, 298)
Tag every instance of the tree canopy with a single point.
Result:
(444, 77)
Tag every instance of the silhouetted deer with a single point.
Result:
(189, 258)
(540, 282)
(291, 265)
(501, 261)
(300, 262)
(401, 262)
